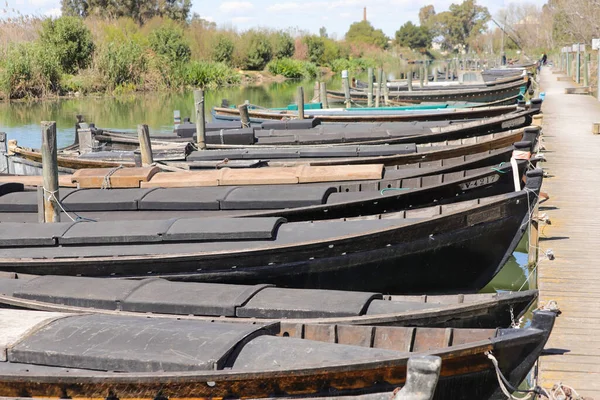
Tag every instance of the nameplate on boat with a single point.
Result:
(513, 122)
(480, 182)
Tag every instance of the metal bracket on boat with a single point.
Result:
(422, 376)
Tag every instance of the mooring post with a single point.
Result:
(568, 64)
(578, 64)
(244, 115)
(379, 83)
(300, 102)
(447, 70)
(370, 87)
(200, 122)
(421, 77)
(324, 102)
(145, 145)
(586, 70)
(316, 92)
(409, 78)
(4, 165)
(598, 77)
(346, 85)
(50, 172)
(422, 375)
(434, 71)
(386, 90)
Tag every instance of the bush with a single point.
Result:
(30, 69)
(205, 73)
(168, 41)
(223, 49)
(292, 68)
(258, 50)
(283, 45)
(71, 41)
(122, 63)
(355, 65)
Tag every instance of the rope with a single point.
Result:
(505, 384)
(52, 196)
(106, 181)
(497, 169)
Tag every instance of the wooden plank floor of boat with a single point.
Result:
(572, 279)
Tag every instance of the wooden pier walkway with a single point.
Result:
(573, 278)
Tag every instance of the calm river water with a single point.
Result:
(21, 121)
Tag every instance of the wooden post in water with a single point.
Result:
(386, 90)
(145, 145)
(200, 123)
(434, 71)
(370, 87)
(244, 116)
(323, 89)
(598, 77)
(346, 85)
(379, 83)
(300, 101)
(578, 64)
(568, 65)
(409, 78)
(586, 70)
(316, 92)
(421, 78)
(50, 173)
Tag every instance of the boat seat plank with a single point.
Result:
(31, 234)
(275, 196)
(118, 232)
(306, 303)
(329, 152)
(131, 344)
(241, 136)
(25, 201)
(187, 198)
(263, 351)
(104, 199)
(76, 291)
(184, 298)
(306, 123)
(115, 177)
(333, 137)
(275, 140)
(199, 229)
(378, 307)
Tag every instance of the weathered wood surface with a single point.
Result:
(573, 278)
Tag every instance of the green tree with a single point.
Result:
(223, 49)
(363, 32)
(139, 10)
(258, 50)
(415, 37)
(70, 40)
(461, 24)
(283, 45)
(168, 41)
(316, 48)
(323, 32)
(426, 14)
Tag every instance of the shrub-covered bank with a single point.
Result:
(74, 55)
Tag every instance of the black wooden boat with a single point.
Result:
(449, 248)
(259, 116)
(310, 132)
(484, 94)
(400, 189)
(246, 304)
(99, 356)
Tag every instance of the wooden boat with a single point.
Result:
(95, 356)
(247, 304)
(470, 79)
(449, 248)
(259, 116)
(398, 190)
(469, 93)
(379, 151)
(311, 133)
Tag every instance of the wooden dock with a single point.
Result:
(572, 279)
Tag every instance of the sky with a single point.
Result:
(335, 15)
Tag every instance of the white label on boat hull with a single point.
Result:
(480, 182)
(513, 122)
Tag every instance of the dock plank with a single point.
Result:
(573, 277)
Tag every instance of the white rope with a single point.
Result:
(106, 181)
(52, 196)
(501, 382)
